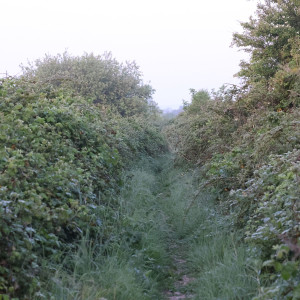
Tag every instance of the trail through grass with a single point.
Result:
(167, 241)
(209, 258)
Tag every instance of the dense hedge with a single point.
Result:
(246, 140)
(250, 157)
(57, 159)
(61, 156)
(100, 78)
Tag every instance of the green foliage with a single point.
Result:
(269, 38)
(203, 128)
(56, 163)
(286, 280)
(272, 198)
(138, 137)
(99, 78)
(272, 76)
(246, 141)
(265, 133)
(61, 157)
(200, 100)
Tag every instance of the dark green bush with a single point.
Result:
(100, 78)
(246, 139)
(57, 161)
(273, 219)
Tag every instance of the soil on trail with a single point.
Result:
(181, 289)
(176, 191)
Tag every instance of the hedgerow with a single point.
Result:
(246, 142)
(61, 160)
(56, 162)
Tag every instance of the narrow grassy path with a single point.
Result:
(167, 241)
(177, 187)
(209, 260)
(180, 288)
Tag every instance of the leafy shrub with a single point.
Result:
(68, 126)
(272, 194)
(204, 128)
(99, 78)
(246, 139)
(57, 161)
(266, 133)
(272, 206)
(138, 137)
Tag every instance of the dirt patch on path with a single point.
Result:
(180, 290)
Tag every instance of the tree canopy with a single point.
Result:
(270, 37)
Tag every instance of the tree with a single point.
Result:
(269, 38)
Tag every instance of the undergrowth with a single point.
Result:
(133, 263)
(159, 207)
(217, 258)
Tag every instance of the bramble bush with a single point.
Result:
(61, 157)
(100, 78)
(56, 162)
(246, 142)
(272, 197)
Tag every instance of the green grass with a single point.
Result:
(220, 261)
(132, 263)
(216, 256)
(159, 206)
(222, 268)
(110, 278)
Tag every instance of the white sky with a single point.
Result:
(177, 44)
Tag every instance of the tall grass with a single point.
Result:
(222, 267)
(132, 262)
(216, 256)
(158, 207)
(96, 277)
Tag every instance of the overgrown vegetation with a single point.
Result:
(246, 141)
(62, 156)
(92, 207)
(133, 263)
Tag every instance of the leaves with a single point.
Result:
(58, 159)
(246, 141)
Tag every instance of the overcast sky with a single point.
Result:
(177, 44)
